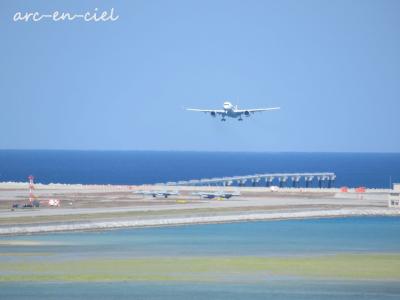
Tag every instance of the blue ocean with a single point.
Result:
(374, 170)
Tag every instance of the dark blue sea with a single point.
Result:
(375, 170)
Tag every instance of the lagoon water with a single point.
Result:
(141, 167)
(280, 290)
(361, 235)
(289, 237)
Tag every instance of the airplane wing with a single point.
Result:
(235, 194)
(256, 109)
(138, 192)
(198, 193)
(215, 111)
(203, 194)
(170, 193)
(229, 195)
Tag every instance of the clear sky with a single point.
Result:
(333, 67)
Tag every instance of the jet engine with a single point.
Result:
(247, 114)
(213, 114)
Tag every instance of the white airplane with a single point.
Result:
(211, 195)
(155, 194)
(232, 111)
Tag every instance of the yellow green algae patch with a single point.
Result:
(354, 266)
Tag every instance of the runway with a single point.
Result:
(100, 207)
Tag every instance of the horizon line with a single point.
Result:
(206, 151)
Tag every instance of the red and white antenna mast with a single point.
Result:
(31, 188)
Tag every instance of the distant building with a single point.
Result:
(396, 187)
(394, 200)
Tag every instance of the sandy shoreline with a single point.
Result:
(157, 222)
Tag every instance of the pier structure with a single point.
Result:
(322, 179)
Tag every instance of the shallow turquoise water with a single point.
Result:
(272, 290)
(290, 237)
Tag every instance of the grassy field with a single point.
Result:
(242, 268)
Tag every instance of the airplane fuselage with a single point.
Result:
(230, 111)
(212, 195)
(158, 194)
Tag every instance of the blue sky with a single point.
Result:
(333, 67)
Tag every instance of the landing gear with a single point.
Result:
(223, 120)
(240, 119)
